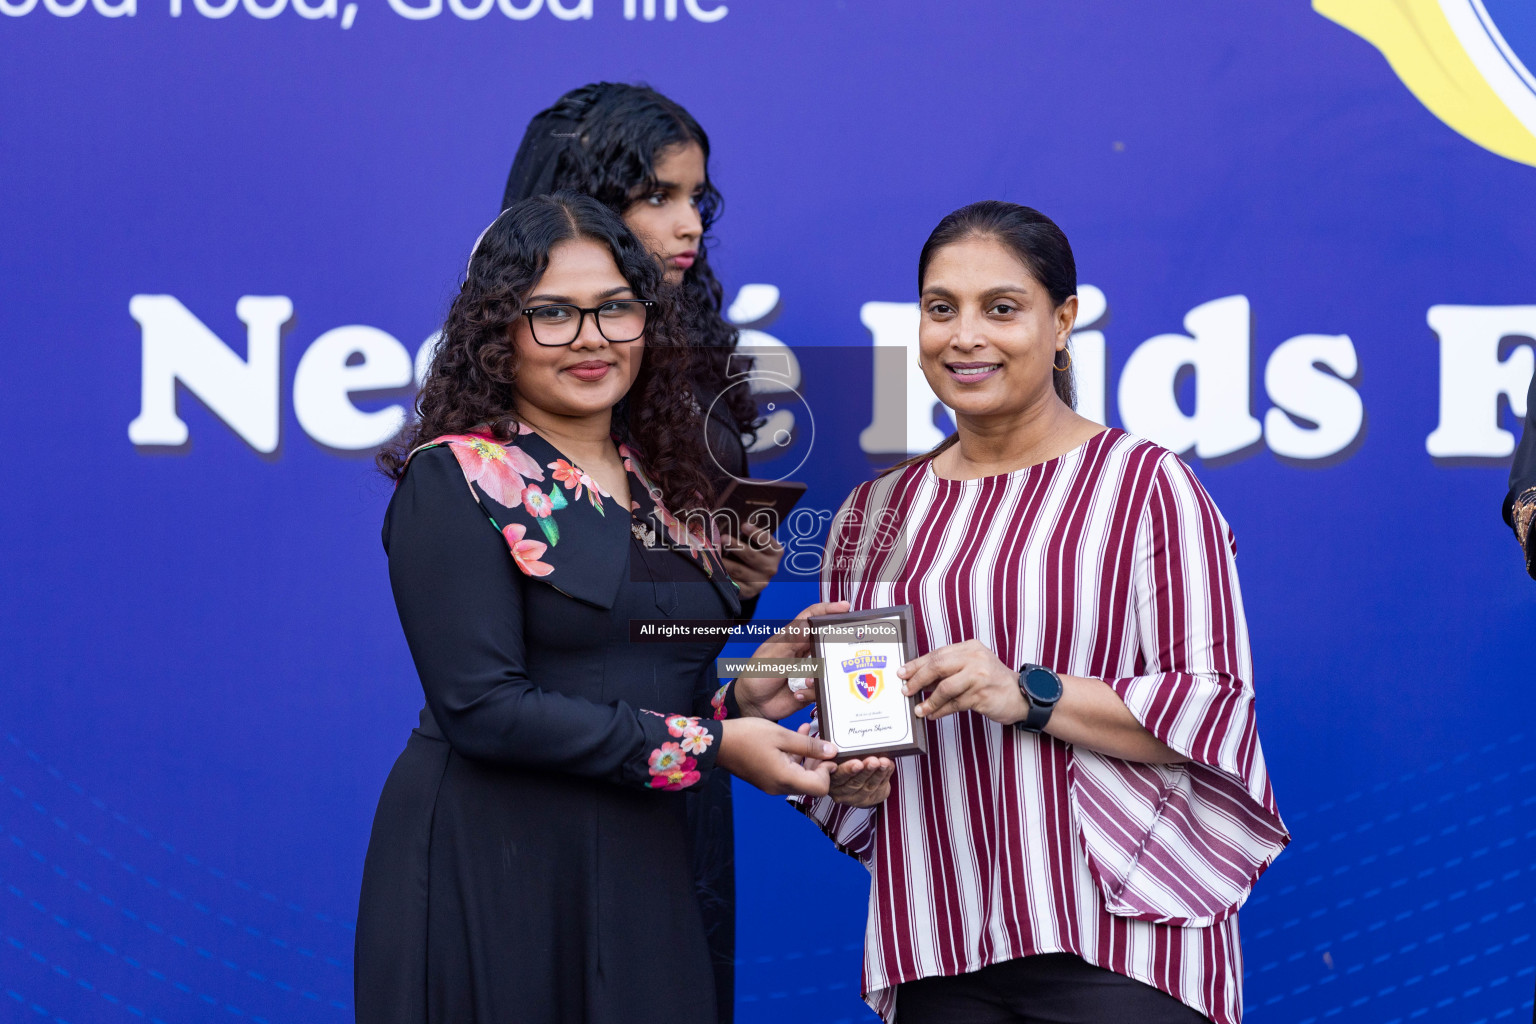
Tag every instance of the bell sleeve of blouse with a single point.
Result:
(1184, 843)
(851, 829)
(460, 600)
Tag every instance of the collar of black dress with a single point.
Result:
(562, 529)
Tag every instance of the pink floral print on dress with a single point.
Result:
(536, 501)
(499, 469)
(578, 480)
(526, 552)
(718, 703)
(694, 541)
(670, 765)
(671, 768)
(696, 739)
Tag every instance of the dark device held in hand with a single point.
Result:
(756, 503)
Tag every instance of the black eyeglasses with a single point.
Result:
(618, 321)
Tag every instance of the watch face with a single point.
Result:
(1043, 685)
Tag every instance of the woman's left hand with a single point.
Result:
(965, 677)
(859, 782)
(752, 561)
(770, 696)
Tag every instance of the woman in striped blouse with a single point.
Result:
(1093, 807)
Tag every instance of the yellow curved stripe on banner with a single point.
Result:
(1422, 48)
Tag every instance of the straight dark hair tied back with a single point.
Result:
(1036, 241)
(603, 140)
(471, 384)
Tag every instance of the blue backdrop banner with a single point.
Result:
(229, 227)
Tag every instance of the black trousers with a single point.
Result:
(1051, 988)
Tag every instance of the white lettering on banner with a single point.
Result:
(565, 10)
(903, 403)
(411, 10)
(177, 347)
(70, 8)
(647, 9)
(1217, 351)
(1316, 410)
(754, 305)
(328, 376)
(1090, 365)
(776, 369)
(1472, 377)
(468, 13)
(432, 9)
(1303, 393)
(424, 356)
(257, 9)
(1318, 414)
(775, 373)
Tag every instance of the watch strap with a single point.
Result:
(1039, 713)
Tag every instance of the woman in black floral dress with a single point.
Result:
(529, 856)
(646, 158)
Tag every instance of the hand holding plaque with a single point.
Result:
(860, 705)
(776, 697)
(859, 781)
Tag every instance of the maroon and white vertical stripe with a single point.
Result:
(1110, 562)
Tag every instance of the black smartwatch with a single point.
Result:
(1042, 689)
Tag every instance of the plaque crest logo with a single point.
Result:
(866, 675)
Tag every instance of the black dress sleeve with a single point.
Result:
(460, 599)
(1520, 502)
(748, 608)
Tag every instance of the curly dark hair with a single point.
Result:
(472, 380)
(603, 139)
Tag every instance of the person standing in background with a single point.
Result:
(1520, 502)
(647, 159)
